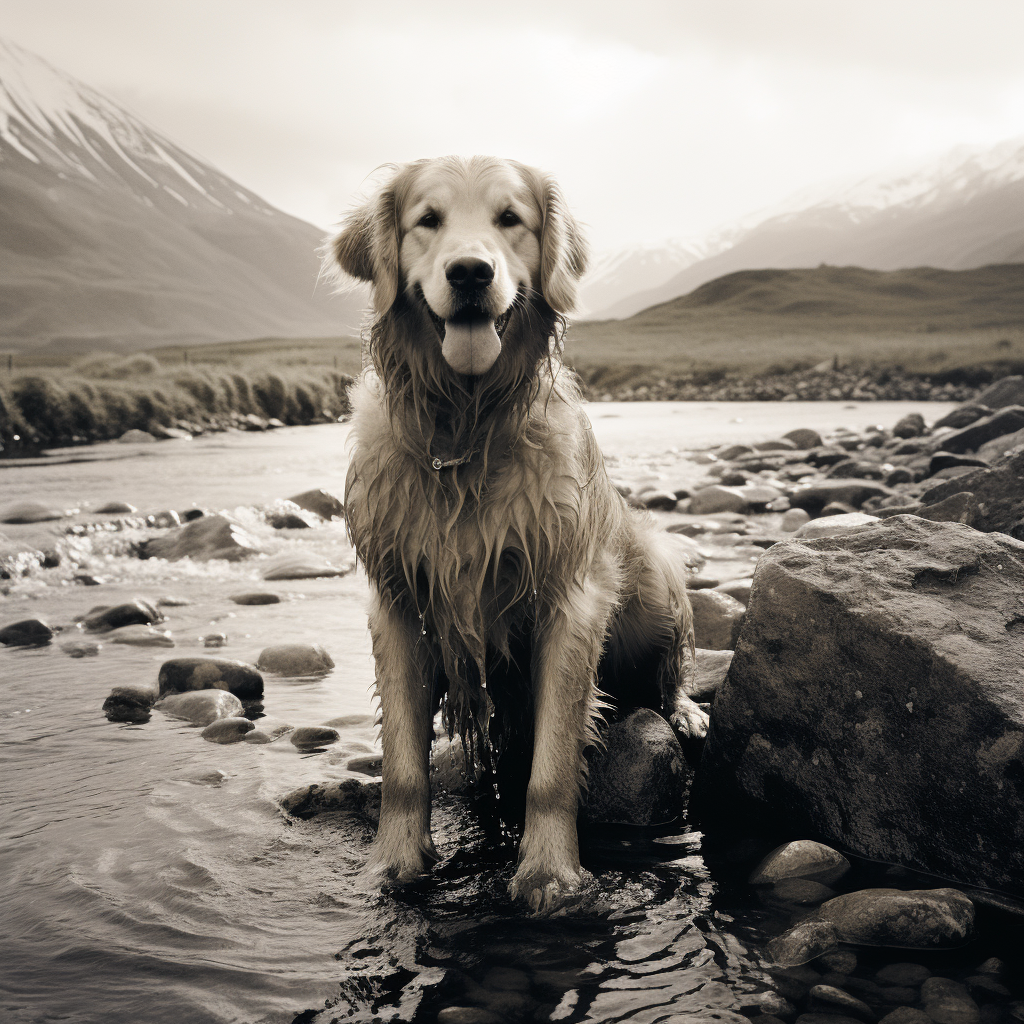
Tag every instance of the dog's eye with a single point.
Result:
(429, 220)
(509, 219)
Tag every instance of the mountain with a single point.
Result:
(112, 235)
(617, 275)
(958, 212)
(925, 318)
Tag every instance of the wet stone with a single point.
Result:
(111, 508)
(314, 736)
(81, 648)
(775, 1005)
(914, 919)
(835, 1000)
(129, 703)
(911, 425)
(139, 636)
(257, 736)
(361, 796)
(29, 512)
(295, 660)
(26, 633)
(897, 995)
(843, 961)
(87, 579)
(301, 565)
(172, 601)
(228, 730)
(794, 519)
(802, 858)
(322, 502)
(214, 640)
(366, 764)
(255, 598)
(903, 974)
(804, 437)
(659, 501)
(906, 1015)
(201, 707)
(712, 668)
(804, 892)
(211, 537)
(104, 618)
(717, 619)
(803, 943)
(182, 674)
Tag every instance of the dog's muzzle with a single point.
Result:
(470, 337)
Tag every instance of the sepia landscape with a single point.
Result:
(817, 392)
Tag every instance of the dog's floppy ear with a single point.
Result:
(563, 249)
(367, 246)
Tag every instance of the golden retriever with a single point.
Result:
(512, 587)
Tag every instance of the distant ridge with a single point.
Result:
(757, 317)
(112, 235)
(958, 212)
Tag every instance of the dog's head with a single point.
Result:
(473, 241)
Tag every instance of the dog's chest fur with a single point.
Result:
(471, 546)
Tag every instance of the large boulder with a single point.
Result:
(876, 700)
(969, 439)
(999, 492)
(213, 536)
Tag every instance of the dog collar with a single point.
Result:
(439, 463)
(441, 449)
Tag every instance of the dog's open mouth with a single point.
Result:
(470, 339)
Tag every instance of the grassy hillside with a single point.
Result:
(924, 319)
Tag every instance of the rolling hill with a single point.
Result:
(113, 236)
(923, 317)
(958, 212)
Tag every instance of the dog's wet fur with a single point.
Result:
(513, 589)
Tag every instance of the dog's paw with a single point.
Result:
(543, 893)
(389, 864)
(690, 721)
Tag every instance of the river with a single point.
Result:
(150, 876)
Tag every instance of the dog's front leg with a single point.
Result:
(403, 849)
(568, 644)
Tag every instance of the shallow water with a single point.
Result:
(150, 876)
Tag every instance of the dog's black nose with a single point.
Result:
(469, 273)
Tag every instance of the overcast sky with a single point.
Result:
(661, 119)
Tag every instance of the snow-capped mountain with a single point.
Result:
(112, 234)
(615, 275)
(959, 211)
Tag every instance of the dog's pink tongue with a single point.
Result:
(470, 348)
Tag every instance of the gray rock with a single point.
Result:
(366, 764)
(903, 975)
(139, 636)
(717, 619)
(180, 675)
(111, 508)
(104, 618)
(136, 437)
(739, 589)
(906, 1015)
(640, 778)
(843, 961)
(911, 425)
(301, 565)
(26, 633)
(950, 460)
(322, 502)
(734, 451)
(29, 512)
(314, 736)
(357, 795)
(255, 597)
(1008, 391)
(717, 498)
(659, 501)
(201, 707)
(961, 507)
(831, 526)
(257, 736)
(968, 439)
(962, 416)
(804, 892)
(794, 519)
(295, 660)
(214, 640)
(804, 437)
(81, 648)
(803, 943)
(835, 1000)
(911, 919)
(228, 730)
(999, 492)
(993, 451)
(802, 858)
(815, 496)
(869, 700)
(172, 601)
(129, 703)
(201, 540)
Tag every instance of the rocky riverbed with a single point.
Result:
(857, 599)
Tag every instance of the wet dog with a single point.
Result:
(512, 587)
